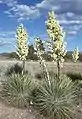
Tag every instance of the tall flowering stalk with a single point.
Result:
(40, 51)
(22, 48)
(56, 42)
(75, 54)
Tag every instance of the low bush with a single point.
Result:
(74, 76)
(16, 68)
(56, 99)
(16, 90)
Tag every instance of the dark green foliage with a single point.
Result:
(80, 56)
(16, 68)
(13, 55)
(31, 53)
(41, 75)
(56, 99)
(77, 78)
(16, 90)
(68, 56)
(74, 76)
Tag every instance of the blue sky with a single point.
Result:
(33, 14)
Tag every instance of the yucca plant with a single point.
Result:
(75, 54)
(56, 99)
(40, 51)
(16, 90)
(22, 47)
(56, 43)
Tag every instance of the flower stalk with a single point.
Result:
(39, 53)
(75, 54)
(56, 43)
(22, 47)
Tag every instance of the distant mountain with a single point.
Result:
(8, 55)
(4, 54)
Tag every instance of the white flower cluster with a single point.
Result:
(56, 34)
(53, 28)
(75, 54)
(22, 48)
(59, 51)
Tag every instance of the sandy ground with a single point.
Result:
(7, 112)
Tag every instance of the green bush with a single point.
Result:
(77, 78)
(56, 99)
(16, 68)
(16, 90)
(74, 76)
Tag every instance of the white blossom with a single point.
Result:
(22, 48)
(56, 34)
(75, 54)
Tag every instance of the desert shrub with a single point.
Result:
(77, 78)
(16, 90)
(74, 76)
(31, 53)
(16, 68)
(56, 99)
(13, 55)
(80, 56)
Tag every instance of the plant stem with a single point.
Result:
(47, 73)
(58, 69)
(23, 67)
(45, 68)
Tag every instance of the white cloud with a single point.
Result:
(48, 5)
(7, 34)
(10, 3)
(7, 12)
(70, 14)
(21, 11)
(24, 11)
(70, 22)
(72, 32)
(74, 27)
(7, 42)
(1, 2)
